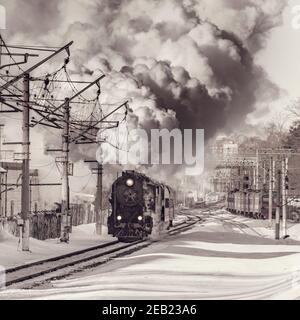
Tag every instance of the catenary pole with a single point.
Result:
(271, 192)
(25, 196)
(284, 196)
(65, 202)
(99, 213)
(278, 205)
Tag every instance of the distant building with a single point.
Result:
(230, 149)
(224, 147)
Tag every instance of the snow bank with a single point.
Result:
(180, 219)
(4, 235)
(214, 260)
(240, 248)
(294, 232)
(179, 276)
(83, 236)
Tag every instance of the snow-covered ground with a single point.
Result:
(82, 237)
(223, 257)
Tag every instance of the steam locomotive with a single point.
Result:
(140, 206)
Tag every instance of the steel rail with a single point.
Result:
(36, 269)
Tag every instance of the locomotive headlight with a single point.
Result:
(119, 218)
(140, 218)
(129, 182)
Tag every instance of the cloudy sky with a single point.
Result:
(281, 57)
(217, 65)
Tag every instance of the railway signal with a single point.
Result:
(286, 184)
(246, 182)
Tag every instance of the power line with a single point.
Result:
(77, 116)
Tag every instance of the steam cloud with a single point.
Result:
(188, 64)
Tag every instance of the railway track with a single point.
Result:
(34, 274)
(236, 224)
(61, 266)
(240, 225)
(193, 220)
(208, 213)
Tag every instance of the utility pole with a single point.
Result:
(25, 166)
(25, 196)
(253, 180)
(257, 170)
(1, 44)
(264, 174)
(271, 192)
(6, 190)
(284, 195)
(1, 192)
(85, 134)
(99, 195)
(184, 190)
(65, 196)
(99, 201)
(278, 206)
(1, 125)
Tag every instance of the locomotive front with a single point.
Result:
(127, 221)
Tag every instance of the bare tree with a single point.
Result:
(277, 131)
(294, 110)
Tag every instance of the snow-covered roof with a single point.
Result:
(2, 170)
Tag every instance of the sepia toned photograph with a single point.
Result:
(149, 152)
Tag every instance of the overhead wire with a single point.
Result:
(85, 186)
(53, 85)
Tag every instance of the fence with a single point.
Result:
(46, 224)
(82, 214)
